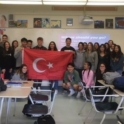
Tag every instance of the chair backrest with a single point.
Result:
(53, 96)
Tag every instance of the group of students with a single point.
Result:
(89, 61)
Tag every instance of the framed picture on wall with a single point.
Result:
(69, 21)
(45, 23)
(55, 23)
(3, 21)
(119, 22)
(98, 24)
(37, 23)
(22, 23)
(109, 23)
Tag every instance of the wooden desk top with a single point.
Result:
(15, 93)
(26, 84)
(104, 84)
(120, 93)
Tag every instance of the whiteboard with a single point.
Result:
(117, 35)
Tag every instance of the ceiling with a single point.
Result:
(66, 2)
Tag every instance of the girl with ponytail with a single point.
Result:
(87, 77)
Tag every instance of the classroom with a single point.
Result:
(55, 56)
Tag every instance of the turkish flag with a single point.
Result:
(43, 64)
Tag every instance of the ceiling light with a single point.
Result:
(105, 3)
(64, 3)
(21, 2)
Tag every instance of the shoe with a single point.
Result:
(71, 92)
(78, 95)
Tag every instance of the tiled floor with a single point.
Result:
(65, 111)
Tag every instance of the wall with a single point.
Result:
(30, 12)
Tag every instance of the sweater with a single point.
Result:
(88, 79)
(104, 59)
(93, 58)
(8, 60)
(18, 56)
(79, 59)
(117, 65)
(40, 48)
(17, 77)
(72, 78)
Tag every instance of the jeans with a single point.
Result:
(55, 85)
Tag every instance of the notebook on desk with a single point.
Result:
(14, 84)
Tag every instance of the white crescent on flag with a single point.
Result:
(35, 65)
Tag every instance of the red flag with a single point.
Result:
(43, 64)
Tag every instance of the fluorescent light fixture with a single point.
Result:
(21, 2)
(105, 4)
(64, 2)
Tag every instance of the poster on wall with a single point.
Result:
(3, 21)
(119, 22)
(45, 23)
(12, 24)
(69, 22)
(22, 23)
(109, 23)
(55, 23)
(37, 23)
(98, 24)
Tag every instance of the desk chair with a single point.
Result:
(119, 121)
(35, 98)
(37, 110)
(97, 99)
(105, 107)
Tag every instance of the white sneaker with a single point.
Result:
(71, 92)
(78, 95)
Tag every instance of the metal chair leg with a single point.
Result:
(88, 116)
(103, 118)
(14, 107)
(93, 118)
(82, 108)
(1, 107)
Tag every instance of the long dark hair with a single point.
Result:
(55, 48)
(90, 66)
(118, 54)
(4, 48)
(102, 45)
(94, 46)
(23, 76)
(91, 46)
(99, 71)
(13, 44)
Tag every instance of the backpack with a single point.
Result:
(109, 77)
(47, 119)
(119, 83)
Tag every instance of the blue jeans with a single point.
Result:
(55, 85)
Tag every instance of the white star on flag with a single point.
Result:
(50, 65)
